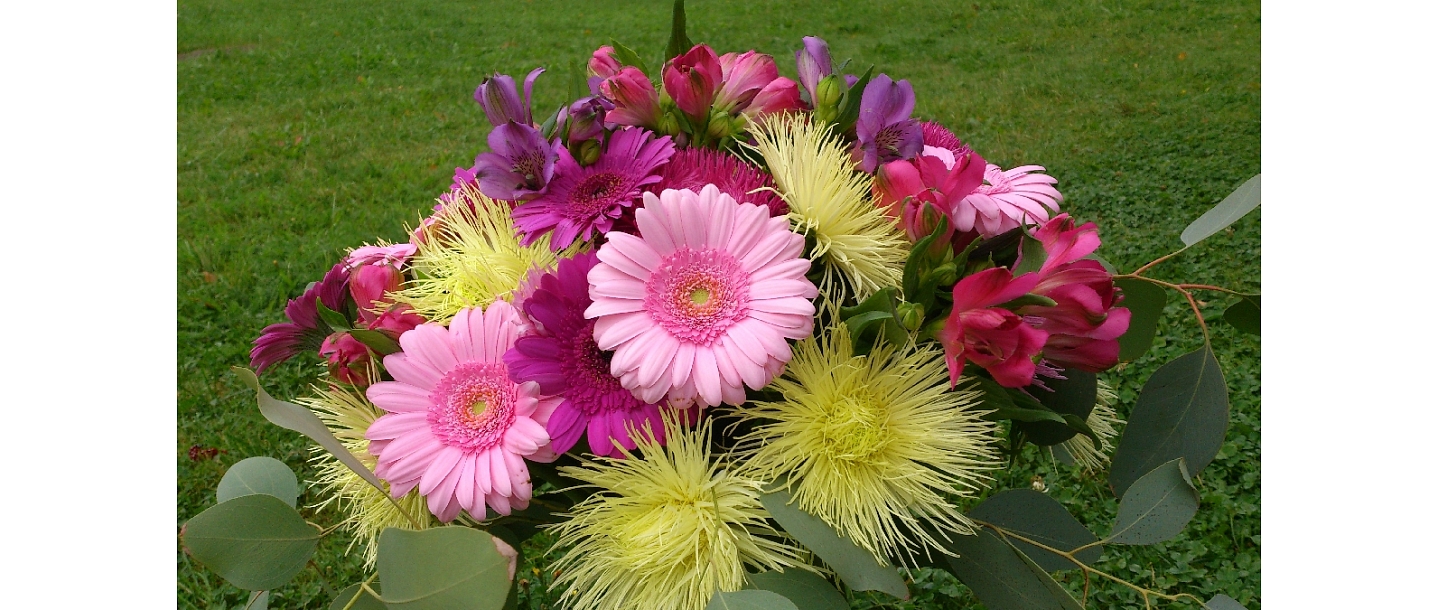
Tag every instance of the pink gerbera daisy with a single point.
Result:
(455, 425)
(1008, 199)
(562, 357)
(583, 200)
(701, 303)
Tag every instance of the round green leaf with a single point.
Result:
(1222, 601)
(806, 590)
(440, 568)
(1038, 517)
(1232, 208)
(365, 601)
(1157, 507)
(854, 565)
(259, 475)
(1146, 302)
(749, 599)
(255, 542)
(259, 600)
(1002, 577)
(1245, 315)
(1182, 411)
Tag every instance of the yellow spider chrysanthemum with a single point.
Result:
(667, 529)
(873, 445)
(832, 202)
(1102, 420)
(367, 510)
(470, 258)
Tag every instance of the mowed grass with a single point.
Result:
(306, 128)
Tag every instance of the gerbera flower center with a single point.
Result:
(696, 295)
(596, 193)
(594, 390)
(472, 406)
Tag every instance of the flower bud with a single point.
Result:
(812, 63)
(829, 92)
(912, 315)
(636, 101)
(692, 79)
(603, 62)
(585, 152)
(587, 118)
(719, 125)
(501, 100)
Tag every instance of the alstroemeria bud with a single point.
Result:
(585, 152)
(719, 125)
(603, 62)
(781, 95)
(912, 315)
(691, 80)
(669, 124)
(501, 101)
(829, 92)
(813, 64)
(636, 101)
(587, 118)
(369, 284)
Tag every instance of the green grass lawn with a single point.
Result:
(309, 127)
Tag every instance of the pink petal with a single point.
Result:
(499, 502)
(499, 477)
(445, 461)
(428, 345)
(397, 397)
(658, 357)
(747, 228)
(707, 376)
(636, 250)
(683, 363)
(410, 371)
(611, 331)
(393, 425)
(653, 226)
(792, 305)
(606, 306)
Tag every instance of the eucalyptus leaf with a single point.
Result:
(1071, 397)
(440, 568)
(1001, 577)
(807, 590)
(749, 599)
(1230, 209)
(365, 601)
(259, 600)
(1182, 411)
(1146, 302)
(1157, 507)
(1222, 601)
(255, 542)
(259, 475)
(1244, 315)
(1003, 405)
(859, 569)
(299, 419)
(1038, 517)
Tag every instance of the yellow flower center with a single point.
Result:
(856, 426)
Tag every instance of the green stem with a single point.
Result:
(364, 588)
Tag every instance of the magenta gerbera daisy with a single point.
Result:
(581, 201)
(693, 168)
(700, 304)
(455, 424)
(562, 357)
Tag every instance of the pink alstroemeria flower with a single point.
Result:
(692, 79)
(936, 178)
(998, 340)
(1084, 325)
(744, 75)
(603, 63)
(636, 101)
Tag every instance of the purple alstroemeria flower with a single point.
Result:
(502, 102)
(587, 118)
(813, 64)
(305, 331)
(885, 132)
(519, 165)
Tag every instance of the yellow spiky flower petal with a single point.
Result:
(367, 511)
(667, 529)
(832, 202)
(874, 445)
(470, 258)
(1102, 421)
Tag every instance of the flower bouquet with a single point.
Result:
(727, 340)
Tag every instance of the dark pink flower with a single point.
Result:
(636, 101)
(305, 331)
(348, 358)
(997, 340)
(1064, 242)
(692, 79)
(395, 320)
(582, 201)
(562, 357)
(693, 168)
(1084, 325)
(935, 134)
(937, 179)
(603, 63)
(781, 95)
(744, 75)
(369, 285)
